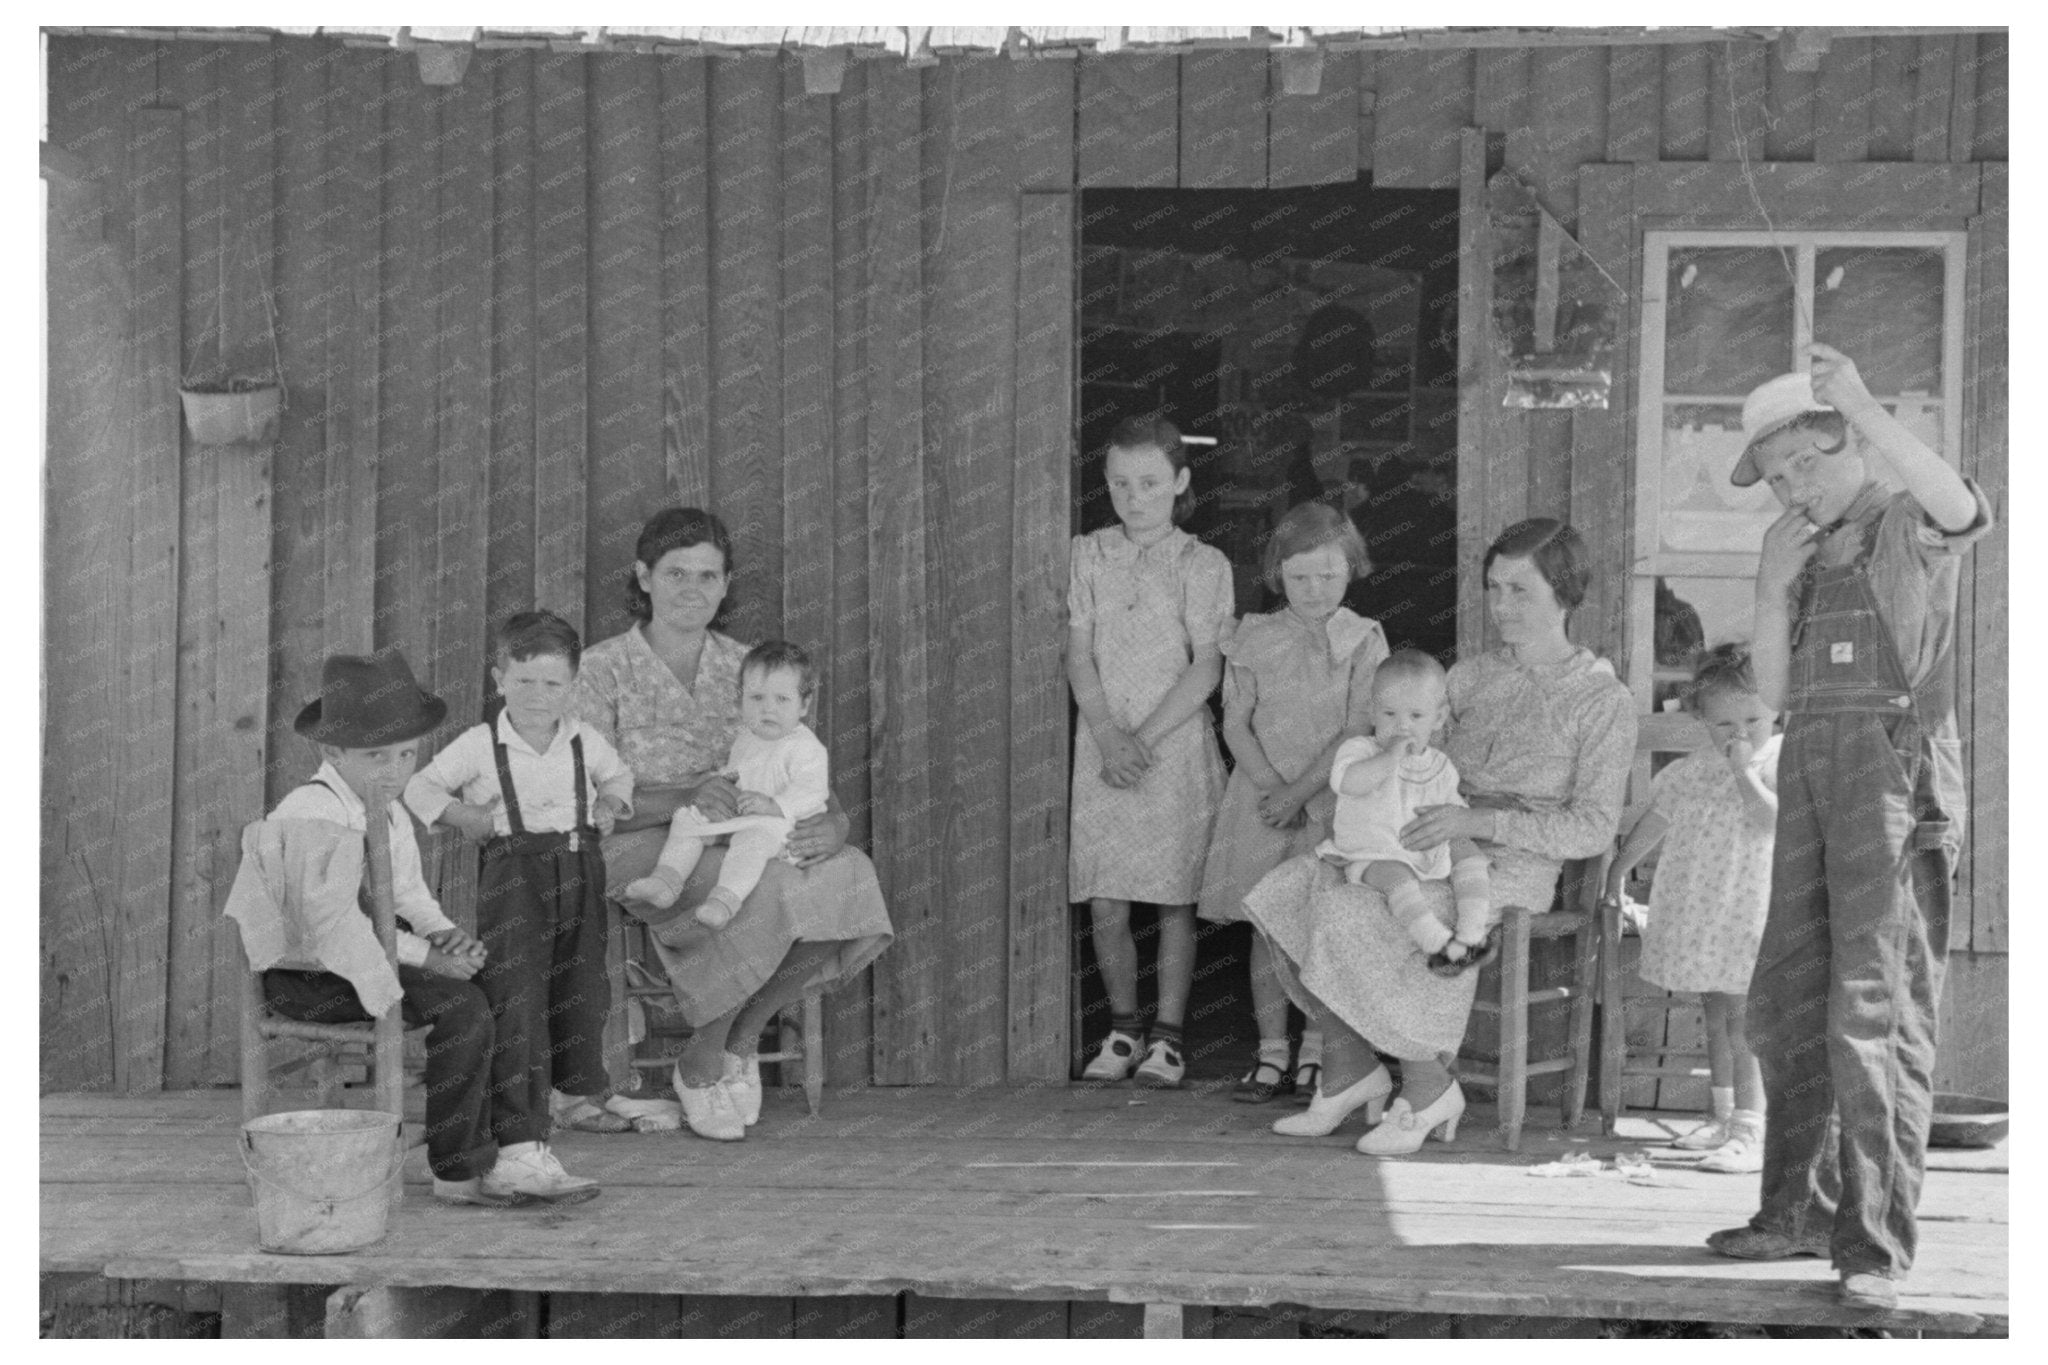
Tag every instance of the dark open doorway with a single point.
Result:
(1306, 341)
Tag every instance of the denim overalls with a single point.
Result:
(541, 916)
(1848, 978)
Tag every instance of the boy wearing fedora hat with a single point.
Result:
(367, 723)
(1855, 640)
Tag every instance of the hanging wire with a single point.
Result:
(1757, 198)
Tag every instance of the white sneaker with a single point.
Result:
(1114, 1062)
(1704, 1138)
(1162, 1066)
(709, 1111)
(529, 1168)
(742, 1081)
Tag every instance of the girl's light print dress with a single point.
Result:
(1150, 608)
(1713, 883)
(1310, 684)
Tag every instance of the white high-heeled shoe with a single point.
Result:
(708, 1110)
(742, 1081)
(1405, 1129)
(1326, 1112)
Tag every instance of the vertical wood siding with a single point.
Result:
(520, 314)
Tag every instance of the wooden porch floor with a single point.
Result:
(1040, 1195)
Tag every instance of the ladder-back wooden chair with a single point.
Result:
(331, 1047)
(1505, 996)
(1660, 738)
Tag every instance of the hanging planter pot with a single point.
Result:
(241, 410)
(234, 402)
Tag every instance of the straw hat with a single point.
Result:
(1771, 405)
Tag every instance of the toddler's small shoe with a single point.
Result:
(1264, 1081)
(1162, 1068)
(1741, 1154)
(1476, 955)
(1704, 1138)
(471, 1191)
(1326, 1113)
(1114, 1061)
(1405, 1129)
(1869, 1289)
(529, 1168)
(709, 1111)
(1751, 1243)
(742, 1081)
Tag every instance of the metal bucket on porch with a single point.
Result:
(322, 1178)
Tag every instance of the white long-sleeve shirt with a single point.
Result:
(329, 797)
(546, 780)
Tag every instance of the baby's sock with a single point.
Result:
(1311, 1048)
(1469, 888)
(718, 908)
(1724, 1101)
(1405, 900)
(1273, 1053)
(1746, 1123)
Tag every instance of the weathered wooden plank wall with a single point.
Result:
(520, 314)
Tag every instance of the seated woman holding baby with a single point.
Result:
(1542, 735)
(666, 693)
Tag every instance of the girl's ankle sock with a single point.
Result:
(1166, 1033)
(1311, 1048)
(1273, 1051)
(1724, 1100)
(1746, 1121)
(1134, 1026)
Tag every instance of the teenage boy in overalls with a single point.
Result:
(534, 786)
(1855, 643)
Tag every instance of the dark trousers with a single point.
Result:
(458, 1020)
(541, 917)
(1843, 1004)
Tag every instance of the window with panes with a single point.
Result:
(1722, 312)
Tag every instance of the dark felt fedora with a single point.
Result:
(369, 700)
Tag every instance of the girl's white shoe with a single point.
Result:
(1326, 1112)
(1704, 1138)
(742, 1081)
(1405, 1129)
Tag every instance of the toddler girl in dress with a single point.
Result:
(1715, 812)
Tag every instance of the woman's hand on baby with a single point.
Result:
(755, 803)
(815, 838)
(1435, 825)
(716, 798)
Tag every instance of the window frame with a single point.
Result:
(1647, 564)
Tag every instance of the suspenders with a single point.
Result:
(519, 840)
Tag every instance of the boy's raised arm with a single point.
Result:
(1936, 486)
